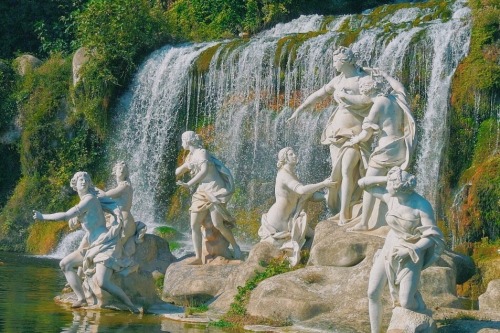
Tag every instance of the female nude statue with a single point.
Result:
(286, 222)
(413, 243)
(344, 123)
(215, 188)
(391, 120)
(122, 194)
(98, 247)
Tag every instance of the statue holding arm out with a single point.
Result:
(97, 251)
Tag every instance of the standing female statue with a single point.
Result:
(97, 251)
(413, 243)
(215, 188)
(389, 118)
(344, 123)
(285, 224)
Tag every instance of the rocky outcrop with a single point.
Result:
(407, 321)
(328, 294)
(217, 282)
(490, 300)
(80, 57)
(332, 288)
(26, 63)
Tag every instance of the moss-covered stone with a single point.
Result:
(44, 236)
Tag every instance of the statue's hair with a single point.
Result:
(374, 83)
(402, 181)
(125, 169)
(282, 157)
(345, 53)
(84, 174)
(192, 138)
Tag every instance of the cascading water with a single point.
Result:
(248, 89)
(68, 244)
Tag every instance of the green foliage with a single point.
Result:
(274, 267)
(118, 34)
(39, 27)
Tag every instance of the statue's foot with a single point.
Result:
(79, 304)
(237, 252)
(194, 261)
(358, 227)
(135, 310)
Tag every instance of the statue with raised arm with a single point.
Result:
(97, 251)
(214, 187)
(413, 243)
(344, 123)
(389, 118)
(285, 224)
(122, 194)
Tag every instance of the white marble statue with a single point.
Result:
(344, 123)
(390, 119)
(122, 194)
(413, 243)
(285, 224)
(215, 186)
(97, 251)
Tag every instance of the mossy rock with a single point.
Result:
(44, 236)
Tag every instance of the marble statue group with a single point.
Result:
(371, 138)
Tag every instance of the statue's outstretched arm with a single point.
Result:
(314, 98)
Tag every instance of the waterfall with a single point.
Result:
(68, 244)
(248, 88)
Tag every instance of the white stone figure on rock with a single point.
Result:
(285, 224)
(97, 251)
(413, 243)
(122, 194)
(344, 123)
(215, 186)
(391, 120)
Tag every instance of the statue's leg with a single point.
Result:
(196, 221)
(332, 192)
(350, 160)
(103, 278)
(368, 201)
(376, 284)
(69, 266)
(408, 287)
(218, 222)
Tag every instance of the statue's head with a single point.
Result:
(344, 54)
(372, 85)
(120, 170)
(286, 155)
(88, 182)
(400, 181)
(190, 138)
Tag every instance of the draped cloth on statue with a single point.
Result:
(405, 233)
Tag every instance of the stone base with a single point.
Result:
(407, 321)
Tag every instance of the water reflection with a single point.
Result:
(28, 286)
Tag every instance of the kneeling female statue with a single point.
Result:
(215, 188)
(285, 224)
(413, 243)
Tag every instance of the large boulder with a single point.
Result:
(215, 283)
(333, 287)
(490, 300)
(80, 57)
(26, 63)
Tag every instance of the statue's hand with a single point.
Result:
(400, 253)
(293, 116)
(183, 184)
(37, 215)
(329, 182)
(353, 141)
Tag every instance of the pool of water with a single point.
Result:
(28, 285)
